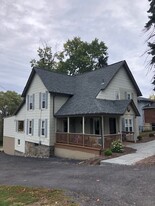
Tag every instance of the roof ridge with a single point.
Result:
(61, 73)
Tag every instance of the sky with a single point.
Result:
(27, 25)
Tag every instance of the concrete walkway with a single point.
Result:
(144, 150)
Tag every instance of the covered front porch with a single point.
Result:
(92, 132)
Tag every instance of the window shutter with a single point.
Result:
(27, 102)
(33, 101)
(27, 126)
(39, 126)
(39, 100)
(46, 127)
(16, 125)
(46, 99)
(32, 127)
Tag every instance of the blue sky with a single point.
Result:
(26, 25)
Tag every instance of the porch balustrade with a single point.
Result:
(86, 140)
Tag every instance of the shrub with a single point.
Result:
(139, 137)
(151, 135)
(108, 152)
(117, 146)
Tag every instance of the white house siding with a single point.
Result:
(9, 127)
(58, 102)
(35, 114)
(120, 83)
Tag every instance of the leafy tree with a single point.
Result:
(46, 59)
(9, 101)
(150, 26)
(79, 56)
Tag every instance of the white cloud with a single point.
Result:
(26, 24)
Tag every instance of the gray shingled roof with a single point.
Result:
(54, 82)
(83, 90)
(93, 107)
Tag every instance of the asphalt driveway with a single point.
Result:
(105, 185)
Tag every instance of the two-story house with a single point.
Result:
(74, 116)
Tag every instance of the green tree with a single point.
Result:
(150, 26)
(46, 58)
(79, 56)
(9, 102)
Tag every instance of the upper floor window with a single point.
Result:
(117, 95)
(30, 102)
(129, 96)
(43, 100)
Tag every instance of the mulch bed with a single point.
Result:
(147, 161)
(146, 139)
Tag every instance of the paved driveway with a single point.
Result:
(111, 184)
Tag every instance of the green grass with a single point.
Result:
(19, 196)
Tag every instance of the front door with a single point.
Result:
(112, 125)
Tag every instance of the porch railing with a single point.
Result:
(86, 140)
(109, 138)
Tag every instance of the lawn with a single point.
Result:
(19, 196)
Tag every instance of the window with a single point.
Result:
(18, 142)
(129, 125)
(117, 95)
(43, 127)
(20, 126)
(43, 100)
(129, 96)
(30, 127)
(30, 102)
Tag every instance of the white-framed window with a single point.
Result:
(20, 125)
(42, 127)
(30, 127)
(117, 95)
(30, 102)
(129, 95)
(18, 142)
(129, 124)
(43, 100)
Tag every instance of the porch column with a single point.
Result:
(83, 128)
(68, 129)
(67, 124)
(102, 131)
(120, 126)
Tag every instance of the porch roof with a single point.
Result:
(95, 107)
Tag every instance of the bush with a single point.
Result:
(151, 135)
(139, 138)
(117, 146)
(108, 152)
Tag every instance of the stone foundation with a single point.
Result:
(37, 150)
